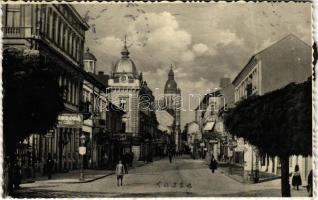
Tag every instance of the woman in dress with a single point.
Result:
(296, 180)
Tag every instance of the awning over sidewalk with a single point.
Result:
(208, 126)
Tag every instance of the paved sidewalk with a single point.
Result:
(74, 175)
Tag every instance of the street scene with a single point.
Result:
(182, 178)
(157, 100)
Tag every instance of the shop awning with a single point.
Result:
(208, 126)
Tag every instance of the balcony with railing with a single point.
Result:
(17, 32)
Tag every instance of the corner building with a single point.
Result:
(125, 90)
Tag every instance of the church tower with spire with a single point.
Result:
(172, 102)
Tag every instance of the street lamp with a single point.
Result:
(82, 152)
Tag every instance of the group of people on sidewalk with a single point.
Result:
(296, 180)
(296, 177)
(13, 173)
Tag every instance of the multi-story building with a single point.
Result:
(286, 61)
(172, 103)
(208, 115)
(129, 92)
(55, 33)
(94, 124)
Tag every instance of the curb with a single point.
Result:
(109, 174)
(231, 177)
(91, 180)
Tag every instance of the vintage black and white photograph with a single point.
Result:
(169, 99)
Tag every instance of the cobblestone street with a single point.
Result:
(183, 177)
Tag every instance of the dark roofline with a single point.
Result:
(113, 107)
(215, 93)
(79, 17)
(246, 65)
(265, 49)
(92, 79)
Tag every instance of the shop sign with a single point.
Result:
(70, 120)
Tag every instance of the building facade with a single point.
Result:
(286, 61)
(128, 91)
(56, 33)
(217, 142)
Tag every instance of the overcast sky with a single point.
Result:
(203, 41)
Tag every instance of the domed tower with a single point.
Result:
(125, 68)
(172, 101)
(89, 61)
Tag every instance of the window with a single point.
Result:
(123, 127)
(13, 15)
(65, 35)
(290, 161)
(43, 18)
(91, 100)
(57, 30)
(74, 92)
(77, 52)
(60, 80)
(84, 96)
(71, 44)
(61, 32)
(263, 160)
(92, 66)
(50, 23)
(123, 103)
(74, 47)
(47, 21)
(54, 28)
(69, 97)
(249, 89)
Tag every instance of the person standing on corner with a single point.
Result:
(49, 166)
(170, 156)
(296, 180)
(309, 184)
(213, 164)
(120, 173)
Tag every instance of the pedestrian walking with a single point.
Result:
(131, 158)
(213, 164)
(296, 180)
(125, 162)
(106, 160)
(120, 173)
(49, 166)
(170, 156)
(16, 175)
(309, 183)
